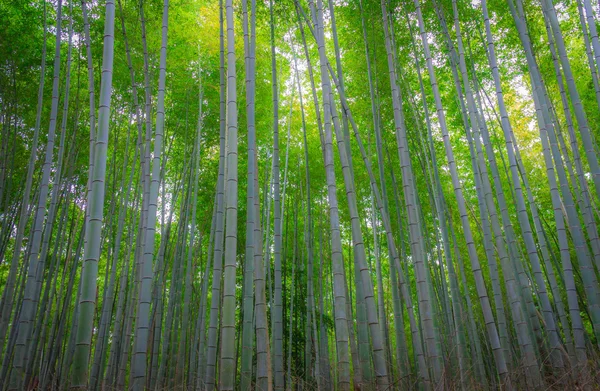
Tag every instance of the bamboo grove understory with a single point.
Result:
(299, 195)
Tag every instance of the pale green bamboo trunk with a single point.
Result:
(142, 324)
(96, 205)
(228, 338)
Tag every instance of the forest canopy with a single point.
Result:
(299, 194)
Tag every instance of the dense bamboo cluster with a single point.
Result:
(298, 195)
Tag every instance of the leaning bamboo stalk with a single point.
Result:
(336, 245)
(499, 358)
(9, 287)
(27, 312)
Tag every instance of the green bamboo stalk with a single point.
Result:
(227, 361)
(277, 314)
(27, 312)
(96, 201)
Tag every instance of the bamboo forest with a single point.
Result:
(299, 195)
